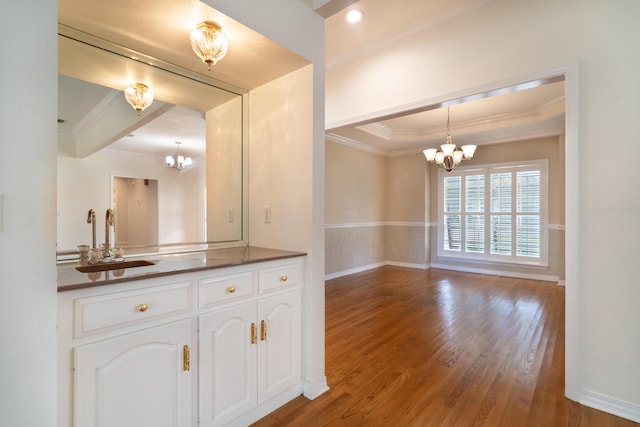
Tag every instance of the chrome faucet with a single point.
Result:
(91, 219)
(109, 221)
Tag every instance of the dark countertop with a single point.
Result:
(167, 264)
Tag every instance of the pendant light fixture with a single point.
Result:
(138, 96)
(450, 156)
(178, 161)
(209, 42)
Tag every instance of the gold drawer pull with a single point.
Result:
(142, 308)
(283, 278)
(231, 289)
(263, 330)
(254, 334)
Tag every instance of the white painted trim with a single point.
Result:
(354, 225)
(267, 407)
(408, 265)
(562, 283)
(313, 390)
(405, 224)
(519, 275)
(375, 224)
(357, 145)
(557, 227)
(573, 361)
(353, 270)
(608, 404)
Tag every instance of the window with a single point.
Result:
(494, 213)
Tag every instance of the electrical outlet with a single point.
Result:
(231, 215)
(267, 214)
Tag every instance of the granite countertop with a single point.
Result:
(167, 264)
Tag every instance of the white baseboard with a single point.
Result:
(313, 390)
(266, 408)
(408, 265)
(544, 277)
(353, 270)
(612, 406)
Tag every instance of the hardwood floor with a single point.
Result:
(408, 347)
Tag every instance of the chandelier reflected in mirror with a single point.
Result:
(178, 161)
(139, 96)
(449, 156)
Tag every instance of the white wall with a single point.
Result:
(27, 214)
(515, 41)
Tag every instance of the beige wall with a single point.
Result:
(356, 182)
(375, 210)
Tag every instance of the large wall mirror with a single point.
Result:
(103, 145)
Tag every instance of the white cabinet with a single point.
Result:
(249, 354)
(138, 379)
(212, 347)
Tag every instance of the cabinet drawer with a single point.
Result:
(103, 312)
(220, 290)
(285, 276)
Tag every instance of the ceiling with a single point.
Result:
(521, 112)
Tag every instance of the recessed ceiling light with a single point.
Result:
(354, 16)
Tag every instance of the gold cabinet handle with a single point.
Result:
(283, 278)
(263, 330)
(186, 358)
(231, 289)
(142, 308)
(254, 334)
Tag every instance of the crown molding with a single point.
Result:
(354, 144)
(511, 119)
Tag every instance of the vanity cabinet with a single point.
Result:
(249, 354)
(138, 379)
(212, 347)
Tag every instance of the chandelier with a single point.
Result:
(178, 161)
(450, 156)
(138, 96)
(209, 42)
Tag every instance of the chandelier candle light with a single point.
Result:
(138, 96)
(178, 161)
(450, 156)
(209, 42)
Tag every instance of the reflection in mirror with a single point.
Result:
(135, 205)
(101, 137)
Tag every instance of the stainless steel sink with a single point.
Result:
(107, 266)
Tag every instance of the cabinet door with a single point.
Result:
(279, 351)
(134, 380)
(228, 349)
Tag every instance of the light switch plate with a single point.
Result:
(267, 214)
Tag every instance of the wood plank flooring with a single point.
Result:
(407, 347)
